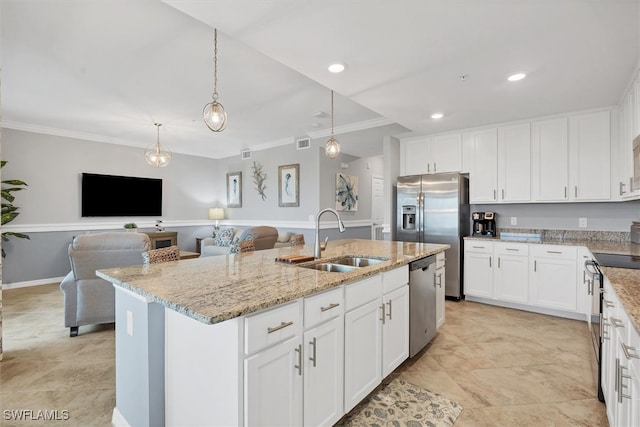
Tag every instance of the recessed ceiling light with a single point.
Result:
(437, 116)
(336, 68)
(516, 77)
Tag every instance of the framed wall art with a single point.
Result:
(234, 189)
(288, 185)
(346, 192)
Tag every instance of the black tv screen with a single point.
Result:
(111, 195)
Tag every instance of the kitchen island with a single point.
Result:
(219, 340)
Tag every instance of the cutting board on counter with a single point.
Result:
(294, 259)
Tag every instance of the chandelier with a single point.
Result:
(214, 115)
(332, 149)
(156, 155)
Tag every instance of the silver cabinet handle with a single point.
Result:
(439, 282)
(489, 262)
(622, 185)
(617, 323)
(495, 194)
(607, 302)
(513, 249)
(565, 191)
(277, 328)
(603, 322)
(584, 276)
(576, 191)
(330, 306)
(389, 313)
(428, 167)
(617, 379)
(625, 350)
(434, 167)
(498, 262)
(589, 287)
(622, 385)
(477, 247)
(554, 252)
(535, 265)
(299, 365)
(383, 313)
(313, 351)
(503, 194)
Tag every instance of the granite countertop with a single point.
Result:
(218, 288)
(626, 284)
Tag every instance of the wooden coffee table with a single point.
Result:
(188, 255)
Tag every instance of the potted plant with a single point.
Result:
(9, 211)
(131, 226)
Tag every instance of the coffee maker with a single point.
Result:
(484, 224)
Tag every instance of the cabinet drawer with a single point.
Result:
(503, 248)
(554, 251)
(393, 279)
(324, 306)
(359, 293)
(478, 246)
(269, 327)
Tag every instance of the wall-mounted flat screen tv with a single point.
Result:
(111, 195)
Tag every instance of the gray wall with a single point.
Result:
(606, 216)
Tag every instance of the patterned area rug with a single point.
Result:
(403, 404)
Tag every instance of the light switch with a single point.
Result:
(129, 323)
(514, 220)
(582, 222)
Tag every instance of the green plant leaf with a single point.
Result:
(15, 182)
(8, 217)
(18, 235)
(2, 163)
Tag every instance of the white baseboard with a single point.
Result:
(16, 285)
(117, 420)
(526, 307)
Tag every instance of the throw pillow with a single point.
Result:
(284, 236)
(223, 237)
(235, 246)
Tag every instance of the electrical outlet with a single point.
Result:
(582, 222)
(514, 220)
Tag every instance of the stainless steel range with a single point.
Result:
(593, 278)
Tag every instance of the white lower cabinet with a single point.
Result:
(323, 373)
(440, 281)
(362, 351)
(553, 277)
(511, 275)
(273, 367)
(273, 386)
(395, 339)
(478, 268)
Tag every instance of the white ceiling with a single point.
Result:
(107, 70)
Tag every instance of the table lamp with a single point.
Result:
(216, 214)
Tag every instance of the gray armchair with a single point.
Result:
(88, 299)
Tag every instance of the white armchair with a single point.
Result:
(88, 299)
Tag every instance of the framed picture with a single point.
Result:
(288, 185)
(234, 189)
(346, 192)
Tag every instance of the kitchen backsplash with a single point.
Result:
(616, 236)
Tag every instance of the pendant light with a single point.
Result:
(156, 155)
(214, 115)
(332, 149)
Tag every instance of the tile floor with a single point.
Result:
(506, 367)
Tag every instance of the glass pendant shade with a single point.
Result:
(214, 116)
(155, 155)
(332, 149)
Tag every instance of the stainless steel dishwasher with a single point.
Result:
(422, 308)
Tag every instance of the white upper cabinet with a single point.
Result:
(445, 153)
(483, 178)
(442, 153)
(550, 160)
(590, 165)
(514, 163)
(414, 155)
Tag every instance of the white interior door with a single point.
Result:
(377, 207)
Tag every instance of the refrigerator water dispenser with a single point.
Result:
(408, 217)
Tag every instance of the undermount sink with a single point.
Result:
(331, 267)
(357, 261)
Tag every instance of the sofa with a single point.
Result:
(225, 241)
(87, 298)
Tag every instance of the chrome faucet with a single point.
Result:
(319, 247)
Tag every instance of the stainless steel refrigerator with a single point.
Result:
(435, 209)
